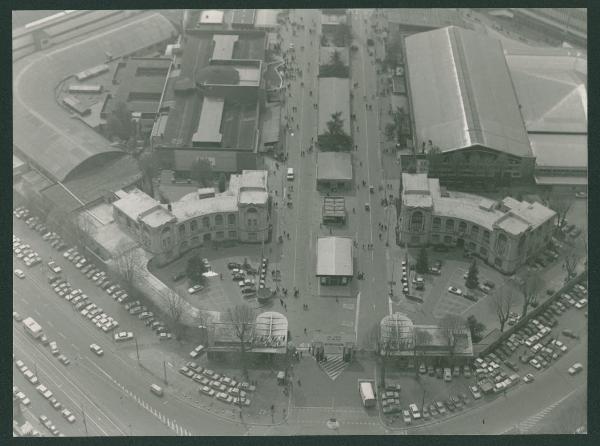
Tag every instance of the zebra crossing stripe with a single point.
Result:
(334, 366)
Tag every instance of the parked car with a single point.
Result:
(96, 349)
(455, 290)
(195, 288)
(575, 368)
(406, 416)
(475, 392)
(123, 336)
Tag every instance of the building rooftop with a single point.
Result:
(426, 17)
(334, 207)
(243, 16)
(209, 124)
(334, 166)
(326, 53)
(224, 44)
(533, 213)
(271, 122)
(211, 16)
(334, 256)
(157, 217)
(334, 96)
(560, 150)
(135, 203)
(42, 129)
(462, 92)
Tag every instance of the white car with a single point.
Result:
(44, 391)
(54, 267)
(30, 376)
(582, 303)
(562, 347)
(195, 289)
(455, 290)
(529, 378)
(66, 413)
(123, 336)
(23, 398)
(96, 349)
(414, 411)
(475, 391)
(406, 416)
(575, 368)
(535, 364)
(20, 274)
(197, 351)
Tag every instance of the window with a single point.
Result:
(475, 231)
(232, 234)
(165, 230)
(220, 235)
(195, 240)
(516, 174)
(498, 262)
(437, 223)
(415, 239)
(486, 236)
(231, 219)
(205, 222)
(182, 229)
(462, 227)
(483, 252)
(447, 239)
(218, 220)
(501, 244)
(521, 245)
(251, 217)
(435, 238)
(416, 222)
(252, 236)
(449, 225)
(471, 246)
(193, 226)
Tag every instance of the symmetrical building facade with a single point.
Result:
(242, 213)
(504, 234)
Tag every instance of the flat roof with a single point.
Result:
(135, 203)
(334, 256)
(334, 207)
(334, 166)
(560, 180)
(334, 96)
(462, 92)
(157, 217)
(211, 16)
(42, 129)
(534, 213)
(243, 16)
(224, 44)
(209, 123)
(426, 17)
(560, 150)
(271, 123)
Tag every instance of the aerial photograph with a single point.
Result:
(299, 222)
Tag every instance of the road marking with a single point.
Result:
(75, 347)
(50, 324)
(37, 312)
(62, 335)
(356, 319)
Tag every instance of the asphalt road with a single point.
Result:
(113, 390)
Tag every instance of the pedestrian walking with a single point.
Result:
(281, 301)
(304, 330)
(299, 384)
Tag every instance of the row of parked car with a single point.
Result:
(42, 389)
(221, 387)
(25, 253)
(239, 273)
(101, 279)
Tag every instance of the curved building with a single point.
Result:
(505, 234)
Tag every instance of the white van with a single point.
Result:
(157, 390)
(367, 395)
(290, 174)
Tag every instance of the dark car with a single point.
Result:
(234, 265)
(177, 277)
(570, 334)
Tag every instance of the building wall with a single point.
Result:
(479, 164)
(249, 224)
(497, 248)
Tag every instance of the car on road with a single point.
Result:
(575, 368)
(406, 416)
(440, 407)
(475, 392)
(195, 288)
(422, 368)
(20, 274)
(123, 336)
(431, 370)
(447, 374)
(24, 399)
(529, 378)
(44, 391)
(63, 359)
(30, 376)
(66, 413)
(198, 351)
(455, 290)
(96, 349)
(54, 348)
(17, 317)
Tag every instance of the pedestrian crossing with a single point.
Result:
(334, 366)
(530, 423)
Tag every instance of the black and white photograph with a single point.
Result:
(299, 222)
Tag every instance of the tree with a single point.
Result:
(128, 263)
(195, 268)
(570, 260)
(451, 325)
(422, 261)
(149, 164)
(476, 328)
(560, 203)
(342, 35)
(383, 348)
(175, 307)
(390, 131)
(222, 182)
(119, 122)
(336, 59)
(335, 126)
(393, 51)
(530, 287)
(501, 302)
(76, 228)
(472, 276)
(202, 172)
(422, 339)
(242, 317)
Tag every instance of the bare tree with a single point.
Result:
(530, 287)
(149, 164)
(128, 263)
(242, 317)
(382, 348)
(451, 325)
(571, 258)
(422, 339)
(175, 307)
(560, 203)
(75, 228)
(501, 302)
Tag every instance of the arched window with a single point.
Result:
(218, 220)
(462, 227)
(416, 221)
(436, 223)
(251, 217)
(501, 243)
(449, 224)
(205, 222)
(193, 226)
(231, 219)
(165, 230)
(475, 231)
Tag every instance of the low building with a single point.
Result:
(334, 170)
(242, 213)
(335, 260)
(504, 234)
(412, 345)
(334, 210)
